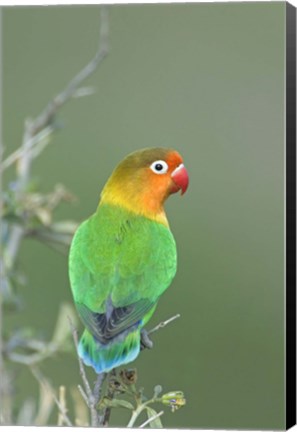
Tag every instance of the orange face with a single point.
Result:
(144, 179)
(167, 176)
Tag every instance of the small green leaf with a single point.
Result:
(155, 423)
(62, 329)
(121, 403)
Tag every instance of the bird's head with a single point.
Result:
(144, 179)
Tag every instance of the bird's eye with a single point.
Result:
(159, 167)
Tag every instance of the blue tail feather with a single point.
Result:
(105, 357)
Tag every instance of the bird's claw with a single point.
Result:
(145, 341)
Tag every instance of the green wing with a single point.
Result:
(119, 266)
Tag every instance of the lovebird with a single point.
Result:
(124, 257)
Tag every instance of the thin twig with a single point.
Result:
(62, 400)
(104, 420)
(163, 324)
(97, 394)
(37, 127)
(82, 371)
(98, 386)
(151, 419)
(40, 128)
(5, 380)
(35, 138)
(23, 174)
(81, 411)
(45, 407)
(82, 392)
(135, 415)
(40, 139)
(32, 359)
(47, 115)
(91, 402)
(42, 381)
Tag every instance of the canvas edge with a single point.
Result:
(290, 378)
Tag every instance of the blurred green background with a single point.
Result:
(208, 80)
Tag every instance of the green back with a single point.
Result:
(121, 256)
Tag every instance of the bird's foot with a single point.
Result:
(145, 341)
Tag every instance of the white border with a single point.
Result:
(98, 2)
(85, 429)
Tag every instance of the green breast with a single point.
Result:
(119, 255)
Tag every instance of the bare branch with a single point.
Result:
(163, 324)
(151, 419)
(37, 144)
(91, 401)
(82, 371)
(36, 137)
(98, 386)
(32, 359)
(44, 382)
(47, 115)
(5, 381)
(45, 407)
(26, 414)
(81, 390)
(62, 401)
(81, 410)
(104, 419)
(37, 132)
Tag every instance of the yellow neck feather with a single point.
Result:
(141, 204)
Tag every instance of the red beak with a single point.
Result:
(180, 178)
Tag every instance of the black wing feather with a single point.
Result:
(120, 319)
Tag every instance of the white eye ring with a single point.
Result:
(159, 167)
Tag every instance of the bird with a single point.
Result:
(123, 257)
